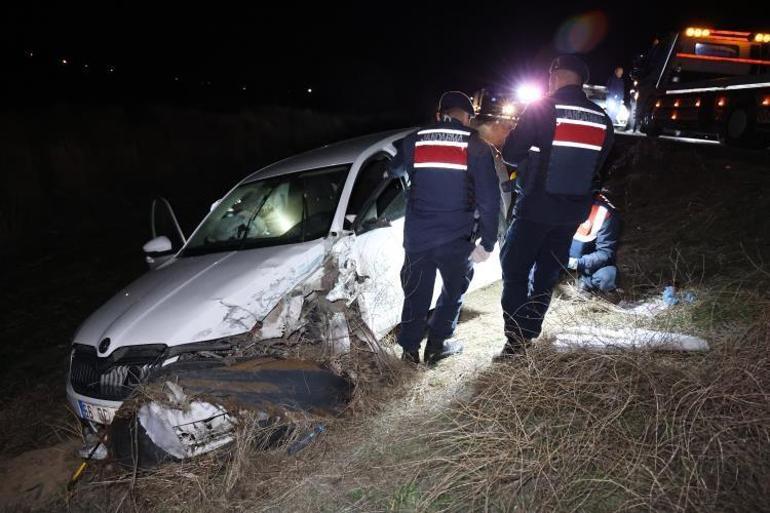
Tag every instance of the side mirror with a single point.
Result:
(158, 245)
(158, 251)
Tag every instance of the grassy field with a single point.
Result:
(571, 432)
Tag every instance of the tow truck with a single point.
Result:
(705, 83)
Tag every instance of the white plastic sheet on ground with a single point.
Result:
(651, 308)
(602, 339)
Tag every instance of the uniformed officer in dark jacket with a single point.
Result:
(556, 151)
(594, 247)
(453, 201)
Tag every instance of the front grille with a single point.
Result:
(114, 377)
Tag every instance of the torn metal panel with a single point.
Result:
(187, 431)
(601, 339)
(284, 319)
(204, 297)
(338, 337)
(378, 256)
(197, 407)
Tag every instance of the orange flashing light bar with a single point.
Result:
(730, 33)
(697, 32)
(727, 35)
(759, 62)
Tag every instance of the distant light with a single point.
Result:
(85, 66)
(508, 109)
(29, 53)
(309, 90)
(110, 69)
(721, 102)
(243, 88)
(64, 61)
(176, 79)
(528, 93)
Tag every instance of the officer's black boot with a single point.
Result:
(513, 348)
(436, 351)
(412, 356)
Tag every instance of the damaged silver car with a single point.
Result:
(305, 251)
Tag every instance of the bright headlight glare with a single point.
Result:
(528, 93)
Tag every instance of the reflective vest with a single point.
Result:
(440, 179)
(589, 229)
(578, 140)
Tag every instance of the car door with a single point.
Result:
(376, 216)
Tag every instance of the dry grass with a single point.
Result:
(620, 432)
(574, 432)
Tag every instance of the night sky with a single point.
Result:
(362, 57)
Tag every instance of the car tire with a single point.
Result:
(649, 127)
(739, 130)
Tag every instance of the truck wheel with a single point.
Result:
(651, 128)
(739, 129)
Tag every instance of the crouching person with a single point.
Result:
(594, 247)
(452, 177)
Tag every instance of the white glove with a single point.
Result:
(572, 264)
(480, 254)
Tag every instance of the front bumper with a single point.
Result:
(89, 409)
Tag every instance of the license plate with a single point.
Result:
(100, 414)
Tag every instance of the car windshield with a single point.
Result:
(281, 210)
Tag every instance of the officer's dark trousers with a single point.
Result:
(539, 250)
(418, 278)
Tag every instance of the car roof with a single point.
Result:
(344, 152)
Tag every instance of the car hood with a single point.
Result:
(193, 299)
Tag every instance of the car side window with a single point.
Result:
(369, 178)
(388, 205)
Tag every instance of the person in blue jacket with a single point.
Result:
(555, 152)
(453, 201)
(616, 93)
(594, 246)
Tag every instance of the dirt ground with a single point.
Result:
(35, 479)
